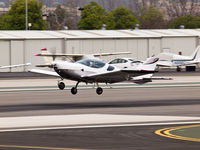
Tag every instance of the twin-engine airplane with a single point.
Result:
(93, 70)
(174, 60)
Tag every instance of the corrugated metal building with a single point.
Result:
(19, 46)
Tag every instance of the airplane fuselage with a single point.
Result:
(77, 72)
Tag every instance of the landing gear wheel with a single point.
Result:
(74, 90)
(99, 90)
(178, 69)
(61, 85)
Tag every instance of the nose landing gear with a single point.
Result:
(99, 90)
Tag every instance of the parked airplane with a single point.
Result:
(93, 70)
(14, 66)
(125, 62)
(174, 60)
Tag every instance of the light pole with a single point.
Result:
(26, 14)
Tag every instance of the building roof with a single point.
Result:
(98, 34)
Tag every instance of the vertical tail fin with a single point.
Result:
(149, 64)
(47, 59)
(194, 54)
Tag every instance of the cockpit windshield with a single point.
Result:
(92, 63)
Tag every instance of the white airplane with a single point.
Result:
(125, 62)
(93, 70)
(174, 60)
(14, 66)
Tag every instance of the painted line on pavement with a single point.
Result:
(118, 86)
(166, 133)
(99, 126)
(37, 147)
(110, 85)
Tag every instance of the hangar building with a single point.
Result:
(19, 47)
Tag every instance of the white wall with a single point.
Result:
(154, 47)
(5, 54)
(186, 45)
(17, 54)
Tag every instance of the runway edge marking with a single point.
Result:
(166, 133)
(96, 126)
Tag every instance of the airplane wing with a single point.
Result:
(108, 54)
(60, 55)
(46, 72)
(142, 79)
(76, 57)
(161, 63)
(14, 66)
(81, 55)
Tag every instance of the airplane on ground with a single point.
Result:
(174, 60)
(93, 70)
(14, 66)
(125, 62)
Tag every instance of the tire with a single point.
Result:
(74, 90)
(178, 69)
(99, 91)
(61, 85)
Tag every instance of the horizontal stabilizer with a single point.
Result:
(142, 79)
(161, 78)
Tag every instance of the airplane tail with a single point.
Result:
(194, 54)
(149, 64)
(48, 60)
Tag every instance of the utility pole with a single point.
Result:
(26, 3)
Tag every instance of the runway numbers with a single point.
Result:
(170, 132)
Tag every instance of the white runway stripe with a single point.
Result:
(87, 121)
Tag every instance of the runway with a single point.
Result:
(121, 118)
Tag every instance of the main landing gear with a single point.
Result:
(74, 90)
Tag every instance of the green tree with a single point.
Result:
(151, 19)
(15, 19)
(189, 21)
(92, 16)
(121, 18)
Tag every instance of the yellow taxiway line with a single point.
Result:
(166, 133)
(37, 147)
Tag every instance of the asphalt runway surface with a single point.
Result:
(120, 138)
(164, 101)
(183, 101)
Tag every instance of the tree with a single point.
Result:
(177, 8)
(92, 16)
(61, 18)
(151, 19)
(15, 19)
(121, 18)
(189, 22)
